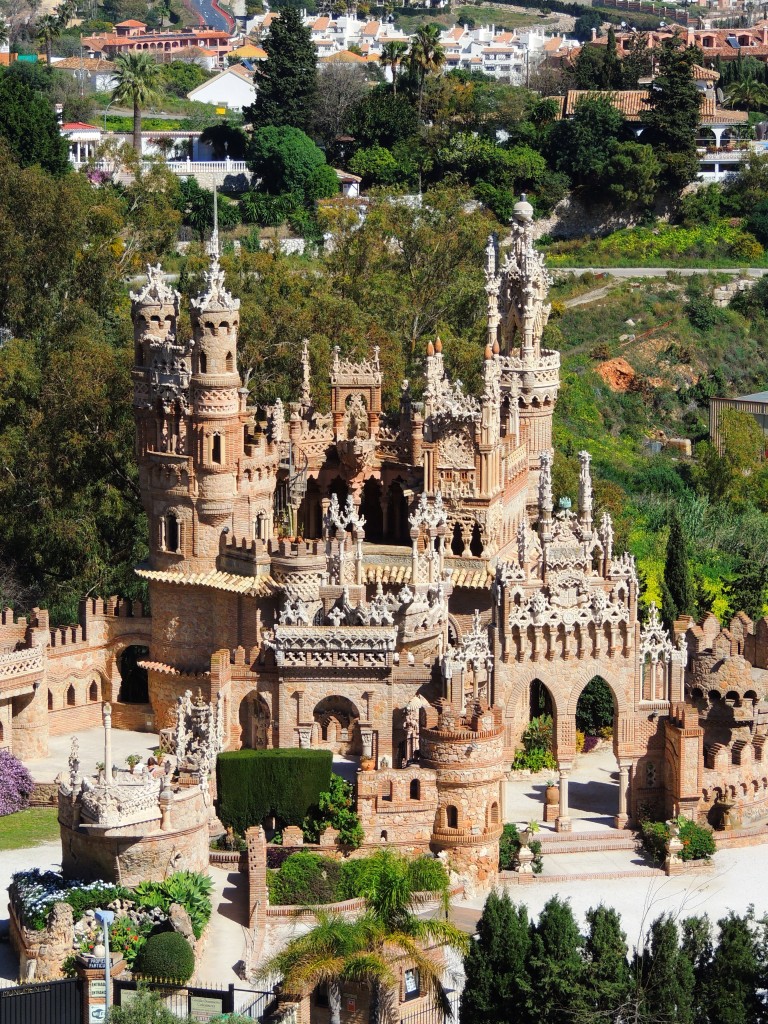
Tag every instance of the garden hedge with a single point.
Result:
(166, 955)
(255, 783)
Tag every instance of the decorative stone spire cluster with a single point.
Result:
(215, 297)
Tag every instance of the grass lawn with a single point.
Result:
(499, 16)
(29, 828)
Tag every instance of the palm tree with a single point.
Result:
(392, 55)
(748, 93)
(48, 28)
(138, 76)
(426, 55)
(372, 950)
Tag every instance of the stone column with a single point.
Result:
(563, 822)
(622, 817)
(107, 715)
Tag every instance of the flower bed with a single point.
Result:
(698, 841)
(33, 893)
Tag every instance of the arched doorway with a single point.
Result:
(370, 508)
(397, 515)
(311, 518)
(593, 790)
(336, 726)
(255, 721)
(134, 685)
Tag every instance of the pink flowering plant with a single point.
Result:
(16, 784)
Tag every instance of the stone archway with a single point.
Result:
(255, 722)
(336, 726)
(134, 685)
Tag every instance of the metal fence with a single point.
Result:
(431, 1014)
(198, 1002)
(59, 1001)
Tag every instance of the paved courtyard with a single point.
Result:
(124, 742)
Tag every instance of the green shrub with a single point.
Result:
(534, 760)
(305, 879)
(255, 783)
(698, 841)
(166, 955)
(509, 844)
(335, 809)
(189, 889)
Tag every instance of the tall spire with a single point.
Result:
(306, 389)
(213, 245)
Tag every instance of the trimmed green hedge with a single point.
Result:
(166, 955)
(255, 783)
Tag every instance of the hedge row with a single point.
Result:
(253, 784)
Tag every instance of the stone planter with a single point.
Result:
(367, 764)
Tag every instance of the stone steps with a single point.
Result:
(586, 842)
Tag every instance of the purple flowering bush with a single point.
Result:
(16, 784)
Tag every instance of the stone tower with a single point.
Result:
(518, 312)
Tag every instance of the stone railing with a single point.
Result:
(30, 661)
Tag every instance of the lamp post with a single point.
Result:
(105, 919)
(105, 112)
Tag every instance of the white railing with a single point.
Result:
(28, 661)
(180, 167)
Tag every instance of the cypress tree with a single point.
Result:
(663, 978)
(556, 966)
(497, 986)
(672, 118)
(748, 590)
(612, 76)
(735, 974)
(288, 80)
(697, 946)
(678, 594)
(606, 975)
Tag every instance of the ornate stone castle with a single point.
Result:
(393, 586)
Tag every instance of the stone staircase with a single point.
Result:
(555, 843)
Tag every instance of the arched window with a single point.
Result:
(93, 691)
(384, 836)
(172, 533)
(476, 543)
(50, 701)
(71, 696)
(203, 363)
(415, 789)
(457, 542)
(493, 817)
(217, 449)
(230, 363)
(451, 817)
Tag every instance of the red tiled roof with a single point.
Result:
(131, 23)
(79, 126)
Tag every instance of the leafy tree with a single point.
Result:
(498, 987)
(392, 56)
(595, 709)
(582, 146)
(555, 965)
(181, 77)
(376, 166)
(340, 87)
(382, 119)
(283, 158)
(335, 809)
(663, 977)
(637, 61)
(672, 117)
(137, 80)
(226, 140)
(590, 19)
(757, 222)
(28, 125)
(587, 70)
(679, 595)
(607, 980)
(632, 174)
(426, 56)
(288, 79)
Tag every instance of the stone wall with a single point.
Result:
(41, 953)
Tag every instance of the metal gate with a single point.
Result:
(59, 1001)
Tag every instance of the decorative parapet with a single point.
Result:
(14, 665)
(330, 647)
(345, 373)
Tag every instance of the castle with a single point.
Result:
(392, 587)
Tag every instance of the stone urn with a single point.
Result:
(552, 794)
(367, 764)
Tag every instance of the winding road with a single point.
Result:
(209, 13)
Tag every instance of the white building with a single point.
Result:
(232, 88)
(91, 74)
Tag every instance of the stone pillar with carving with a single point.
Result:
(563, 822)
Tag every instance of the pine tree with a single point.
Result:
(497, 986)
(555, 966)
(697, 946)
(748, 590)
(288, 81)
(607, 976)
(678, 594)
(663, 978)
